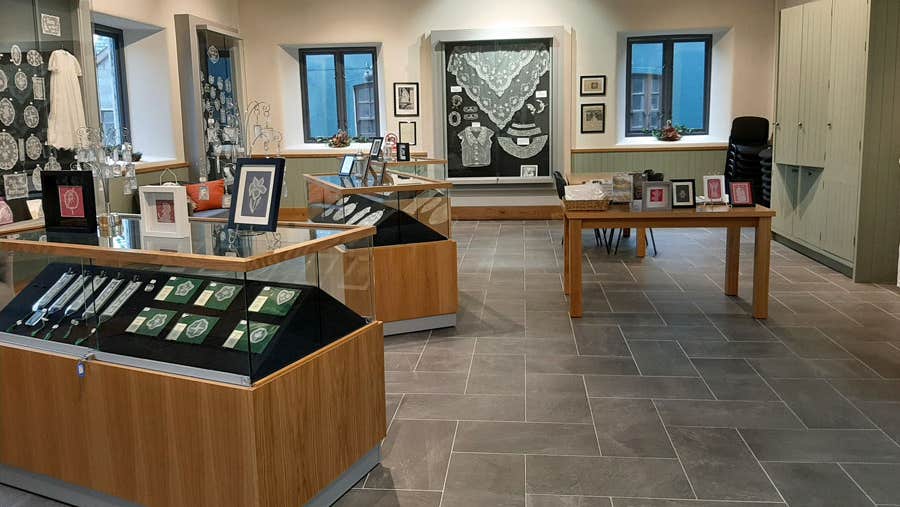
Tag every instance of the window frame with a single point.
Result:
(665, 99)
(338, 53)
(118, 37)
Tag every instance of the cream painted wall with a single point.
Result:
(273, 28)
(161, 13)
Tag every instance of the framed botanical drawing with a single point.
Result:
(256, 194)
(164, 211)
(593, 118)
(68, 201)
(593, 86)
(406, 99)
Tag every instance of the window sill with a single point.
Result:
(693, 141)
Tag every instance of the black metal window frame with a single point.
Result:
(340, 85)
(118, 37)
(665, 100)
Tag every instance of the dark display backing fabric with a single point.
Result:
(502, 163)
(394, 228)
(316, 320)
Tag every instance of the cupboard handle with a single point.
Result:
(828, 124)
(799, 123)
(777, 123)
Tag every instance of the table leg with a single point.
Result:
(762, 251)
(576, 306)
(732, 260)
(641, 242)
(566, 261)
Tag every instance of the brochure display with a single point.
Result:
(210, 350)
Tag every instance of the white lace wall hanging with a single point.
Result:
(372, 219)
(7, 112)
(33, 147)
(531, 149)
(9, 151)
(37, 84)
(34, 58)
(15, 55)
(52, 164)
(359, 215)
(4, 81)
(31, 116)
(21, 80)
(476, 145)
(499, 80)
(454, 119)
(15, 186)
(36, 178)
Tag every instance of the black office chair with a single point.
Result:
(561, 183)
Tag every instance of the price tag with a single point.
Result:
(164, 293)
(456, 89)
(523, 141)
(540, 94)
(176, 331)
(235, 336)
(204, 297)
(135, 324)
(258, 303)
(476, 124)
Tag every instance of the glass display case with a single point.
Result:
(433, 168)
(219, 305)
(406, 209)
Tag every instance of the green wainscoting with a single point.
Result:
(683, 163)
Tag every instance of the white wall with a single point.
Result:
(152, 66)
(272, 28)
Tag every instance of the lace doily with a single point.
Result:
(52, 164)
(510, 146)
(15, 55)
(7, 112)
(15, 185)
(499, 81)
(31, 116)
(454, 119)
(9, 151)
(4, 81)
(33, 147)
(36, 178)
(34, 58)
(38, 84)
(21, 80)
(357, 217)
(373, 218)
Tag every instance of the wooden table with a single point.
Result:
(624, 216)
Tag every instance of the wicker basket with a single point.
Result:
(586, 198)
(594, 205)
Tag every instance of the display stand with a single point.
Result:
(124, 419)
(414, 258)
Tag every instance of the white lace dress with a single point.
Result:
(66, 108)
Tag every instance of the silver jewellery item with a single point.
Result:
(34, 58)
(213, 53)
(513, 132)
(454, 119)
(9, 151)
(470, 109)
(7, 112)
(4, 81)
(21, 80)
(37, 84)
(31, 116)
(456, 101)
(15, 55)
(33, 147)
(470, 117)
(509, 146)
(150, 286)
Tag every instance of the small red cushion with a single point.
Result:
(216, 192)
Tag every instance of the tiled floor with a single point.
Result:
(666, 394)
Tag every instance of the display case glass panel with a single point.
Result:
(223, 305)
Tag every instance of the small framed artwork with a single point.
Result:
(408, 132)
(714, 189)
(406, 99)
(375, 148)
(741, 193)
(164, 211)
(528, 171)
(593, 118)
(684, 194)
(657, 196)
(402, 152)
(593, 86)
(256, 194)
(68, 201)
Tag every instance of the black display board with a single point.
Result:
(504, 87)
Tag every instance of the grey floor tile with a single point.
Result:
(879, 481)
(881, 357)
(819, 405)
(720, 466)
(856, 446)
(389, 498)
(741, 388)
(629, 302)
(485, 479)
(869, 390)
(646, 387)
(707, 332)
(622, 319)
(885, 415)
(425, 382)
(723, 368)
(441, 361)
(496, 384)
(727, 414)
(399, 361)
(547, 325)
(810, 343)
(451, 407)
(526, 438)
(790, 367)
(497, 364)
(557, 407)
(392, 402)
(735, 349)
(581, 365)
(450, 345)
(661, 358)
(601, 341)
(601, 476)
(566, 501)
(647, 502)
(412, 343)
(490, 345)
(414, 456)
(630, 428)
(816, 485)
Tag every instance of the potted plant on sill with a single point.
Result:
(669, 133)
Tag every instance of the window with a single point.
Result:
(108, 54)
(340, 92)
(668, 77)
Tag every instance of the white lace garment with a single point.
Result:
(476, 145)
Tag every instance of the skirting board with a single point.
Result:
(507, 212)
(82, 497)
(812, 254)
(422, 324)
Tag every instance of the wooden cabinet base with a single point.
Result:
(162, 440)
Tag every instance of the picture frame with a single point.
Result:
(593, 118)
(714, 188)
(406, 99)
(256, 194)
(593, 86)
(741, 193)
(637, 185)
(402, 152)
(657, 196)
(164, 211)
(408, 132)
(69, 202)
(684, 193)
(378, 169)
(375, 147)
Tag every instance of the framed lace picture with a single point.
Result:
(593, 118)
(593, 86)
(256, 194)
(68, 202)
(164, 211)
(406, 99)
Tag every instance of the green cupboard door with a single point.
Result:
(814, 73)
(785, 180)
(787, 113)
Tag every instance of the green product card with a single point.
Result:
(178, 290)
(218, 296)
(192, 328)
(274, 301)
(150, 322)
(260, 336)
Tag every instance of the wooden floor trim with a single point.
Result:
(507, 212)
